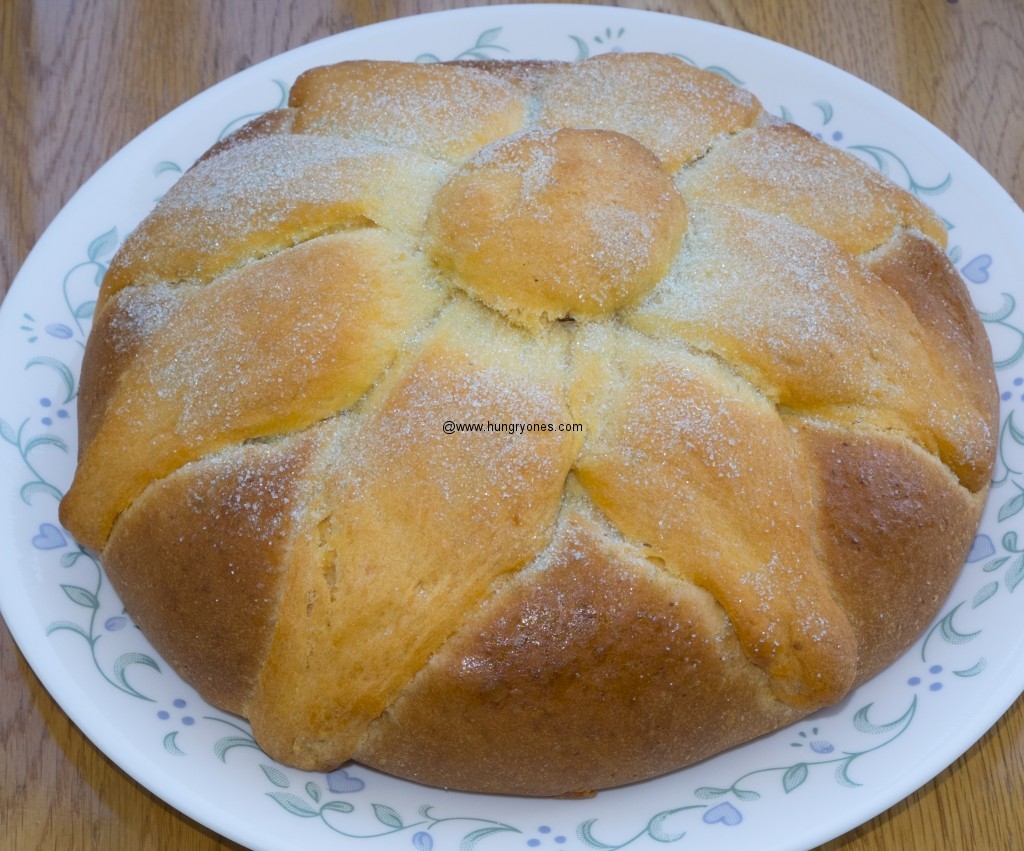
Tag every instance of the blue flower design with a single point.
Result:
(817, 745)
(935, 685)
(178, 703)
(339, 781)
(723, 813)
(545, 831)
(50, 537)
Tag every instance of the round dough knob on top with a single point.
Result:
(570, 224)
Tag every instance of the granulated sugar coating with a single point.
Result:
(270, 194)
(530, 427)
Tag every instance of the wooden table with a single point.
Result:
(82, 77)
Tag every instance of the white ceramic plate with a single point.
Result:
(794, 789)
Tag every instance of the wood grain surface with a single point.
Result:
(82, 77)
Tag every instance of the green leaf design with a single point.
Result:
(337, 807)
(655, 828)
(61, 370)
(488, 37)
(995, 564)
(873, 152)
(69, 558)
(951, 634)
(1011, 507)
(1015, 574)
(294, 804)
(81, 596)
(276, 776)
(728, 75)
(313, 791)
(714, 69)
(1015, 433)
(171, 744)
(124, 662)
(8, 433)
(165, 166)
(586, 835)
(242, 120)
(85, 310)
(937, 189)
(656, 831)
(44, 440)
(387, 816)
(222, 746)
(984, 593)
(882, 156)
(582, 50)
(843, 774)
(746, 794)
(485, 42)
(30, 489)
(470, 840)
(998, 317)
(795, 776)
(105, 243)
(974, 670)
(1000, 313)
(826, 110)
(708, 792)
(70, 626)
(865, 725)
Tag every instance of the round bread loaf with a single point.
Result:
(530, 427)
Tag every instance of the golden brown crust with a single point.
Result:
(415, 525)
(266, 195)
(119, 333)
(446, 111)
(590, 670)
(671, 107)
(675, 447)
(335, 312)
(781, 169)
(785, 307)
(923, 276)
(740, 480)
(213, 625)
(894, 527)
